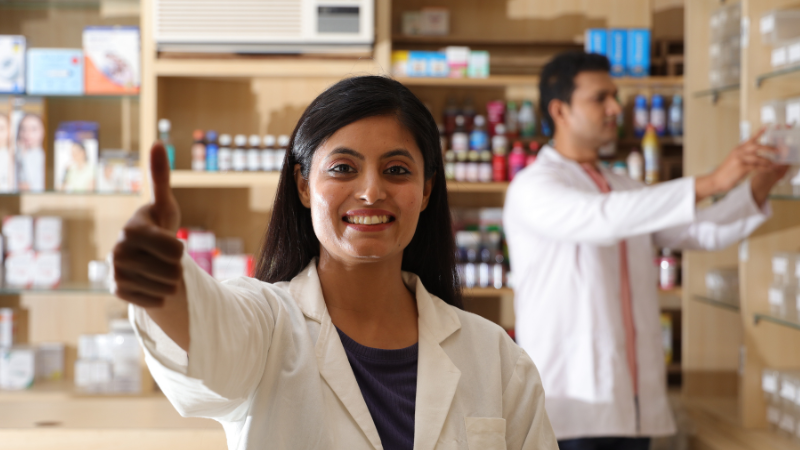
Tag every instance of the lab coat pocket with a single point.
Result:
(486, 433)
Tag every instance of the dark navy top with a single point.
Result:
(388, 383)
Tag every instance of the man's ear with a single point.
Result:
(302, 187)
(557, 110)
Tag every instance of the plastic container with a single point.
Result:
(449, 165)
(516, 160)
(239, 160)
(773, 113)
(225, 154)
(212, 151)
(792, 111)
(479, 138)
(164, 127)
(652, 156)
(779, 26)
(668, 267)
(268, 162)
(675, 123)
(641, 117)
(254, 153)
(459, 141)
(786, 141)
(198, 151)
(527, 120)
(636, 165)
(782, 287)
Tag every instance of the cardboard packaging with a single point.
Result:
(434, 21)
(48, 233)
(232, 266)
(20, 268)
(112, 59)
(596, 41)
(76, 153)
(478, 64)
(47, 271)
(638, 61)
(18, 233)
(457, 61)
(50, 361)
(17, 368)
(12, 64)
(55, 71)
(29, 151)
(617, 54)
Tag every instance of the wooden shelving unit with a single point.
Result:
(725, 345)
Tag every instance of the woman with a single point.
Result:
(79, 176)
(7, 183)
(30, 153)
(353, 336)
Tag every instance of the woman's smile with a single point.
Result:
(369, 220)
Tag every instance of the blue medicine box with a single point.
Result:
(596, 41)
(417, 64)
(437, 64)
(617, 55)
(55, 71)
(638, 52)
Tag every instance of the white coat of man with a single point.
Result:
(581, 242)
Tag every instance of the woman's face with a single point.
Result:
(366, 189)
(31, 132)
(78, 154)
(5, 132)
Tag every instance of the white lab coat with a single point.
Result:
(265, 361)
(563, 237)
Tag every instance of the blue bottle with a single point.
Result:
(640, 116)
(479, 138)
(212, 150)
(546, 129)
(676, 116)
(658, 115)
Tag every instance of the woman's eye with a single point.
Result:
(397, 170)
(342, 168)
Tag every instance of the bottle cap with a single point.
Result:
(677, 99)
(459, 120)
(283, 141)
(255, 140)
(512, 104)
(499, 129)
(164, 125)
(211, 135)
(641, 101)
(269, 140)
(479, 121)
(240, 140)
(534, 146)
(198, 135)
(224, 140)
(658, 101)
(517, 145)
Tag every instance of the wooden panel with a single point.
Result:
(281, 66)
(46, 439)
(55, 27)
(710, 383)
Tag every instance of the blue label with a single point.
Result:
(55, 71)
(211, 158)
(617, 40)
(596, 41)
(638, 52)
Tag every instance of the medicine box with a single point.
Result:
(55, 71)
(47, 233)
(48, 269)
(779, 26)
(76, 152)
(792, 116)
(20, 268)
(773, 113)
(434, 21)
(12, 64)
(112, 58)
(50, 361)
(779, 56)
(617, 55)
(17, 368)
(596, 41)
(400, 63)
(638, 49)
(232, 266)
(437, 65)
(478, 64)
(417, 64)
(18, 233)
(457, 61)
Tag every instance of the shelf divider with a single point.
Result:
(715, 302)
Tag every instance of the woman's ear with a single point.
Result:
(302, 187)
(426, 191)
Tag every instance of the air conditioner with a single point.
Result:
(264, 26)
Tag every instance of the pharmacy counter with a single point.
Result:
(53, 417)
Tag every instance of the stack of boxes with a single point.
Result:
(628, 50)
(109, 363)
(780, 29)
(781, 390)
(33, 256)
(726, 44)
(21, 364)
(450, 62)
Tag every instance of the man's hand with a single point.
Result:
(743, 160)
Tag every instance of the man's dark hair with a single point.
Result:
(558, 77)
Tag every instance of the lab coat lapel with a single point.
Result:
(331, 357)
(437, 375)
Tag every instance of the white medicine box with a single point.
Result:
(793, 111)
(773, 113)
(47, 269)
(18, 233)
(12, 64)
(48, 234)
(779, 26)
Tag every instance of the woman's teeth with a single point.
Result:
(367, 220)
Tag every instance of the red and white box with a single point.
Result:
(48, 234)
(47, 271)
(20, 268)
(227, 267)
(18, 233)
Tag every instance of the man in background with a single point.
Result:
(581, 241)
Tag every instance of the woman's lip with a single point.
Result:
(368, 228)
(369, 212)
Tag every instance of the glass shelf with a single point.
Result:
(49, 4)
(714, 93)
(71, 287)
(791, 322)
(789, 197)
(776, 73)
(715, 302)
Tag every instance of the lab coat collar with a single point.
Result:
(437, 375)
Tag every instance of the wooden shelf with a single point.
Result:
(480, 41)
(192, 179)
(533, 80)
(479, 292)
(458, 187)
(670, 299)
(286, 67)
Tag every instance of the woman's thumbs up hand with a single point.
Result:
(147, 258)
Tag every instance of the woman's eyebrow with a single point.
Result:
(398, 152)
(347, 151)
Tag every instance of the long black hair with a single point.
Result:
(290, 243)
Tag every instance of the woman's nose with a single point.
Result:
(372, 189)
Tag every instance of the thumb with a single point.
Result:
(159, 175)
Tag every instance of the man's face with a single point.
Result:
(591, 116)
